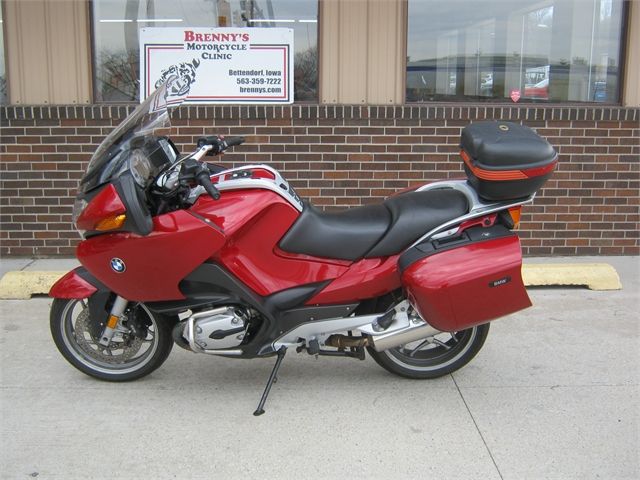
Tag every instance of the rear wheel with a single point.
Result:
(435, 356)
(134, 351)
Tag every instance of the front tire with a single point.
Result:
(128, 356)
(434, 357)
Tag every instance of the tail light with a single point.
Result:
(104, 212)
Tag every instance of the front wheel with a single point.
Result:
(435, 356)
(132, 352)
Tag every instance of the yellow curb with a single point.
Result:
(22, 285)
(595, 276)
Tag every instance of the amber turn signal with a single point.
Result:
(111, 223)
(515, 215)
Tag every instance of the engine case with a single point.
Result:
(219, 328)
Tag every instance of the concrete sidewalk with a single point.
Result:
(34, 264)
(553, 394)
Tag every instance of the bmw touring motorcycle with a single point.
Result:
(234, 263)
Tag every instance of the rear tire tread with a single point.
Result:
(382, 359)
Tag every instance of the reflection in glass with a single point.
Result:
(116, 47)
(523, 50)
(3, 72)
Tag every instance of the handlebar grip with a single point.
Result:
(202, 141)
(233, 141)
(219, 144)
(204, 180)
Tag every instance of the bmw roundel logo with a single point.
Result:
(117, 265)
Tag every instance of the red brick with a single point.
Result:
(589, 207)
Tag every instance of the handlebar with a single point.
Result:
(204, 179)
(234, 141)
(219, 144)
(193, 168)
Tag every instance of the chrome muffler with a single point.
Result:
(411, 333)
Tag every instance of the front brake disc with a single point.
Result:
(122, 348)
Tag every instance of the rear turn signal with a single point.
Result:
(111, 223)
(515, 216)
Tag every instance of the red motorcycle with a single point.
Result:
(233, 262)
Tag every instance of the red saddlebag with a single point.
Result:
(504, 160)
(466, 281)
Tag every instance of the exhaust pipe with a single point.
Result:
(407, 334)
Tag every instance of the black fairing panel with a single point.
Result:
(414, 214)
(212, 281)
(210, 285)
(139, 218)
(99, 303)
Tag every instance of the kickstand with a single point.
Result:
(272, 379)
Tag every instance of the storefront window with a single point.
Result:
(3, 72)
(521, 50)
(116, 24)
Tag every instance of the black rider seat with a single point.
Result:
(374, 230)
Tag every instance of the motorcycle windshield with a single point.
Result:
(131, 140)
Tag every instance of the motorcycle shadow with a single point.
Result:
(188, 372)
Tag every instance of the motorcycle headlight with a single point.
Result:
(140, 167)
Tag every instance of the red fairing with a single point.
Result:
(236, 209)
(104, 204)
(156, 263)
(254, 221)
(370, 277)
(468, 285)
(250, 255)
(301, 256)
(72, 285)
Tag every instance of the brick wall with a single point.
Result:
(340, 156)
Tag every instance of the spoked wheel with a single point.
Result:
(435, 356)
(140, 345)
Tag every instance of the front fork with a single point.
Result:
(117, 311)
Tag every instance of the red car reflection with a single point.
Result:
(540, 90)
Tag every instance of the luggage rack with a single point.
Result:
(478, 208)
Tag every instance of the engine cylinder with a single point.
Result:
(215, 329)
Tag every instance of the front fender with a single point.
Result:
(78, 283)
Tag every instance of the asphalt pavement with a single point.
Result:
(553, 394)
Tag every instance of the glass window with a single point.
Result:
(3, 72)
(520, 50)
(116, 24)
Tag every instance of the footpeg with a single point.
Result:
(384, 321)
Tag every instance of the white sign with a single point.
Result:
(219, 65)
